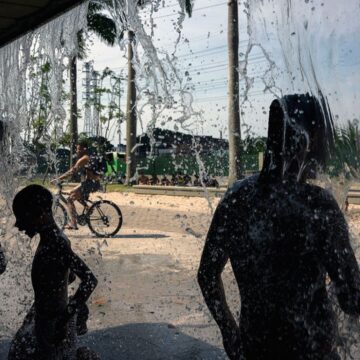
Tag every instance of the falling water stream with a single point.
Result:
(307, 47)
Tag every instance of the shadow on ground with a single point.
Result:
(126, 236)
(140, 236)
(150, 341)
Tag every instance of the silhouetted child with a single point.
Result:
(174, 180)
(187, 180)
(154, 180)
(282, 237)
(165, 181)
(49, 329)
(197, 181)
(143, 180)
(180, 179)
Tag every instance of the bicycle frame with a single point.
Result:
(59, 196)
(92, 213)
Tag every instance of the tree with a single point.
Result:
(113, 94)
(235, 150)
(105, 29)
(97, 144)
(131, 117)
(131, 120)
(346, 154)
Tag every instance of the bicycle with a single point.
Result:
(103, 217)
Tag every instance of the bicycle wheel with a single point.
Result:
(60, 215)
(104, 218)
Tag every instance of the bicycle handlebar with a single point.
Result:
(58, 183)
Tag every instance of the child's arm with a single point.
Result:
(78, 165)
(87, 285)
(338, 257)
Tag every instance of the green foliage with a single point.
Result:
(215, 164)
(254, 145)
(346, 156)
(38, 129)
(101, 25)
(118, 188)
(111, 111)
(65, 140)
(45, 68)
(96, 143)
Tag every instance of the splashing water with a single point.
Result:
(47, 51)
(300, 55)
(306, 47)
(53, 43)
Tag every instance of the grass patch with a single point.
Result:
(36, 181)
(118, 188)
(47, 184)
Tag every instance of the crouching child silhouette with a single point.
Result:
(49, 329)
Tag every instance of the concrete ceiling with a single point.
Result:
(17, 17)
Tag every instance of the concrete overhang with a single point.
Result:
(17, 17)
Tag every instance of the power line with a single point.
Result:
(202, 8)
(225, 97)
(210, 66)
(176, 4)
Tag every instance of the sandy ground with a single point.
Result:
(147, 273)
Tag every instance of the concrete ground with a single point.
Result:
(147, 304)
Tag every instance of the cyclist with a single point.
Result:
(90, 168)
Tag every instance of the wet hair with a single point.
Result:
(83, 143)
(300, 136)
(34, 199)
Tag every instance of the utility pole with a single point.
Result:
(96, 105)
(130, 114)
(235, 152)
(120, 119)
(73, 108)
(87, 69)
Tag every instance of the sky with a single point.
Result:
(297, 47)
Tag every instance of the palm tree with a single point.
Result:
(105, 29)
(235, 150)
(346, 156)
(131, 120)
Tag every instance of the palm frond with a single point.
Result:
(81, 45)
(347, 148)
(103, 27)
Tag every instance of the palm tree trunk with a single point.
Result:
(235, 151)
(73, 109)
(130, 115)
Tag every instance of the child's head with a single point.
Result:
(300, 136)
(32, 208)
(81, 147)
